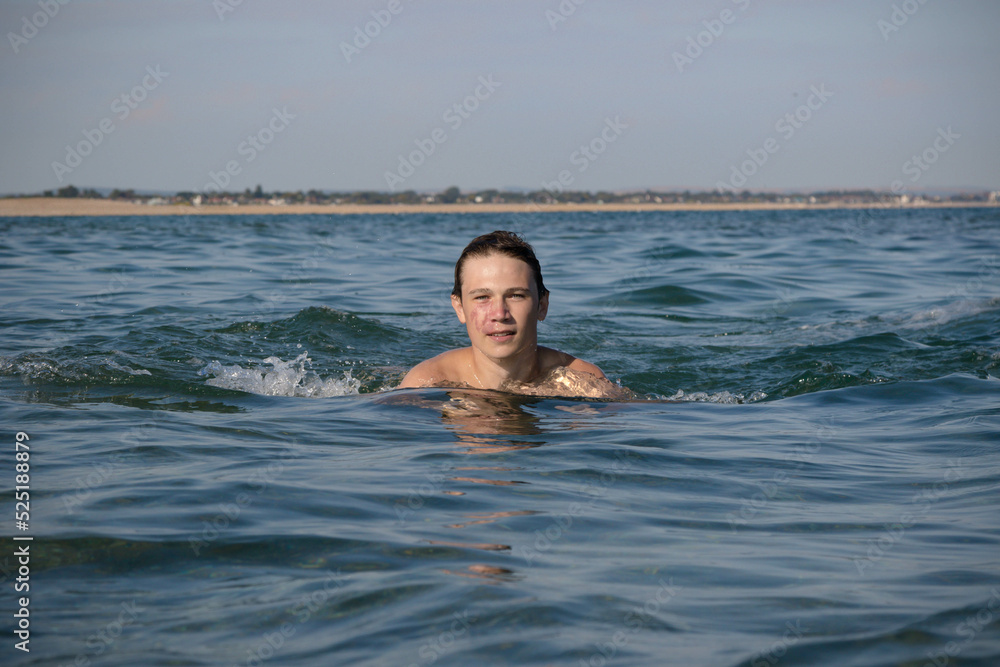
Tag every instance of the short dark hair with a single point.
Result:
(504, 243)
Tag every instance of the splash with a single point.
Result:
(720, 397)
(286, 378)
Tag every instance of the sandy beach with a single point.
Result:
(54, 206)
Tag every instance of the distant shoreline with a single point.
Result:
(56, 206)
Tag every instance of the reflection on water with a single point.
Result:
(474, 416)
(468, 545)
(488, 573)
(479, 418)
(486, 423)
(491, 517)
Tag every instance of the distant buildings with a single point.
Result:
(541, 198)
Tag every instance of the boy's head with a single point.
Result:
(504, 243)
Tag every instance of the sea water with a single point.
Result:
(221, 474)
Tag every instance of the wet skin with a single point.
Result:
(500, 308)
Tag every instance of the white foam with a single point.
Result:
(33, 367)
(127, 369)
(285, 378)
(962, 308)
(720, 397)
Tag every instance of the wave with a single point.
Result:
(320, 326)
(685, 358)
(88, 368)
(953, 312)
(285, 378)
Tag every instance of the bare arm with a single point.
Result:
(421, 375)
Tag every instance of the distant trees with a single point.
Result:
(72, 192)
(451, 195)
(407, 197)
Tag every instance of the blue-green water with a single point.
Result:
(218, 475)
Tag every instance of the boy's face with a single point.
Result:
(500, 306)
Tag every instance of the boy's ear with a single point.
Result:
(456, 303)
(543, 306)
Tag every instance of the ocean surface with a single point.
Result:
(221, 474)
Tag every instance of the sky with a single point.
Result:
(395, 95)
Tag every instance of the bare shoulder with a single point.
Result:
(553, 358)
(435, 371)
(586, 367)
(566, 375)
